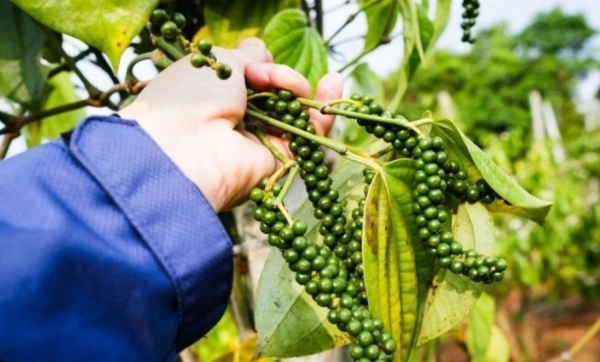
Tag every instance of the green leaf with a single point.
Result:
(366, 81)
(21, 75)
(61, 92)
(390, 270)
(105, 24)
(427, 31)
(293, 42)
(381, 19)
(420, 34)
(478, 165)
(33, 134)
(288, 321)
(451, 297)
(479, 330)
(442, 15)
(229, 22)
(498, 349)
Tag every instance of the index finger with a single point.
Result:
(266, 76)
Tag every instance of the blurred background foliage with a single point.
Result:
(487, 91)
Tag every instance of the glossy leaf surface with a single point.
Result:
(381, 19)
(289, 322)
(293, 42)
(451, 297)
(21, 39)
(228, 22)
(478, 165)
(390, 270)
(107, 25)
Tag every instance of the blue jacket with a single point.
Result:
(107, 251)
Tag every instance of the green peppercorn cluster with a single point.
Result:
(168, 25)
(331, 273)
(436, 176)
(164, 23)
(469, 15)
(205, 57)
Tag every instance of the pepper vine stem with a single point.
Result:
(262, 137)
(288, 165)
(589, 334)
(70, 62)
(261, 95)
(171, 51)
(326, 109)
(141, 57)
(345, 151)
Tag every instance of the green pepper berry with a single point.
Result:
(204, 46)
(223, 71)
(169, 30)
(179, 20)
(159, 16)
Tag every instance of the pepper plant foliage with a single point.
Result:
(413, 285)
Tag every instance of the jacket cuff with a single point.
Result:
(173, 218)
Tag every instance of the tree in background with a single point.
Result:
(490, 84)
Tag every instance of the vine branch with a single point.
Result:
(92, 91)
(62, 67)
(6, 141)
(350, 19)
(589, 334)
(14, 124)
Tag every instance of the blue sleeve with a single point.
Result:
(107, 251)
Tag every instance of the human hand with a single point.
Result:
(196, 119)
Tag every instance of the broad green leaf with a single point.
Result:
(366, 81)
(381, 19)
(105, 24)
(288, 321)
(412, 40)
(442, 15)
(451, 297)
(240, 352)
(61, 91)
(427, 31)
(293, 42)
(228, 22)
(498, 349)
(420, 34)
(219, 340)
(479, 329)
(390, 270)
(33, 134)
(21, 76)
(479, 165)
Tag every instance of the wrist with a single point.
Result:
(189, 148)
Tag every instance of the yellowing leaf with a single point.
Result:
(479, 330)
(105, 24)
(451, 297)
(61, 92)
(228, 22)
(390, 270)
(242, 352)
(288, 321)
